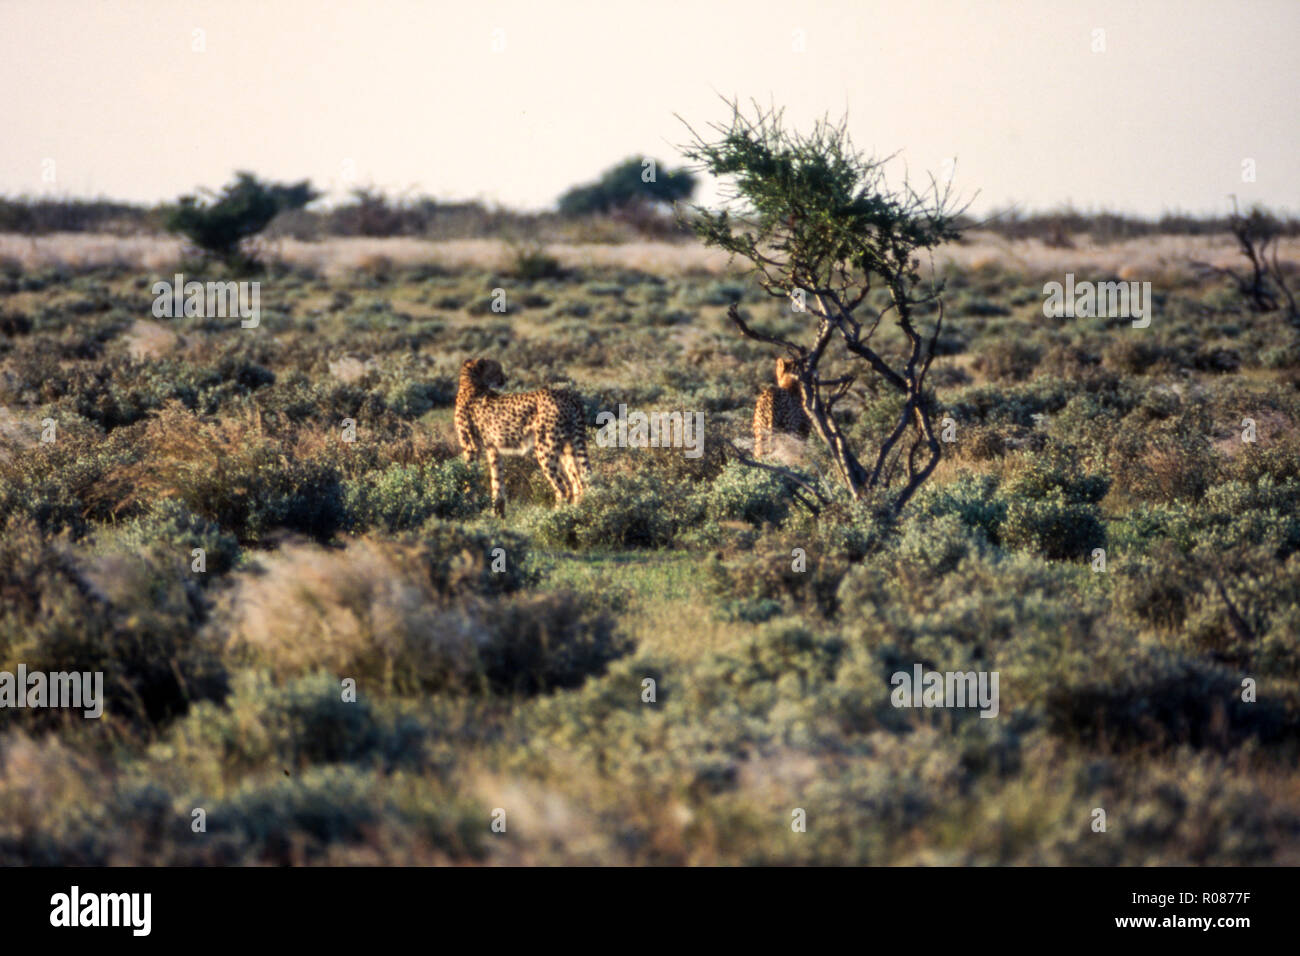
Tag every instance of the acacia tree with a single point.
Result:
(632, 182)
(219, 224)
(819, 225)
(1265, 288)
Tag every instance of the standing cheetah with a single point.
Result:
(779, 409)
(549, 420)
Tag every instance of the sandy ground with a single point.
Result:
(1135, 259)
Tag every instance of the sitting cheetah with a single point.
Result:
(549, 420)
(779, 409)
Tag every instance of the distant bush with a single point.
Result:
(1011, 360)
(33, 216)
(632, 182)
(240, 211)
(531, 262)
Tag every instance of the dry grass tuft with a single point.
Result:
(149, 340)
(364, 611)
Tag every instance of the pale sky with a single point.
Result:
(126, 100)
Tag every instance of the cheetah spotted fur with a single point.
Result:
(549, 420)
(779, 409)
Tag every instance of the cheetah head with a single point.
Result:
(484, 371)
(786, 373)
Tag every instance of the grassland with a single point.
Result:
(522, 688)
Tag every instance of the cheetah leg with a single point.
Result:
(494, 475)
(468, 446)
(548, 459)
(576, 466)
(759, 446)
(572, 475)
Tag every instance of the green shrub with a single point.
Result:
(243, 208)
(458, 560)
(130, 616)
(639, 513)
(972, 498)
(532, 263)
(545, 642)
(1054, 527)
(306, 721)
(1236, 513)
(405, 496)
(322, 806)
(764, 576)
(1157, 589)
(1011, 360)
(741, 493)
(1055, 471)
(59, 486)
(626, 185)
(937, 546)
(169, 528)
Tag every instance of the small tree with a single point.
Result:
(633, 182)
(1265, 286)
(819, 225)
(241, 210)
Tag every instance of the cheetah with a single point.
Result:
(549, 420)
(779, 409)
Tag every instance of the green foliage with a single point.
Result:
(242, 209)
(1058, 470)
(262, 726)
(973, 499)
(133, 617)
(531, 262)
(405, 496)
(939, 546)
(818, 222)
(520, 653)
(460, 560)
(175, 530)
(628, 184)
(1053, 526)
(640, 513)
(834, 201)
(741, 493)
